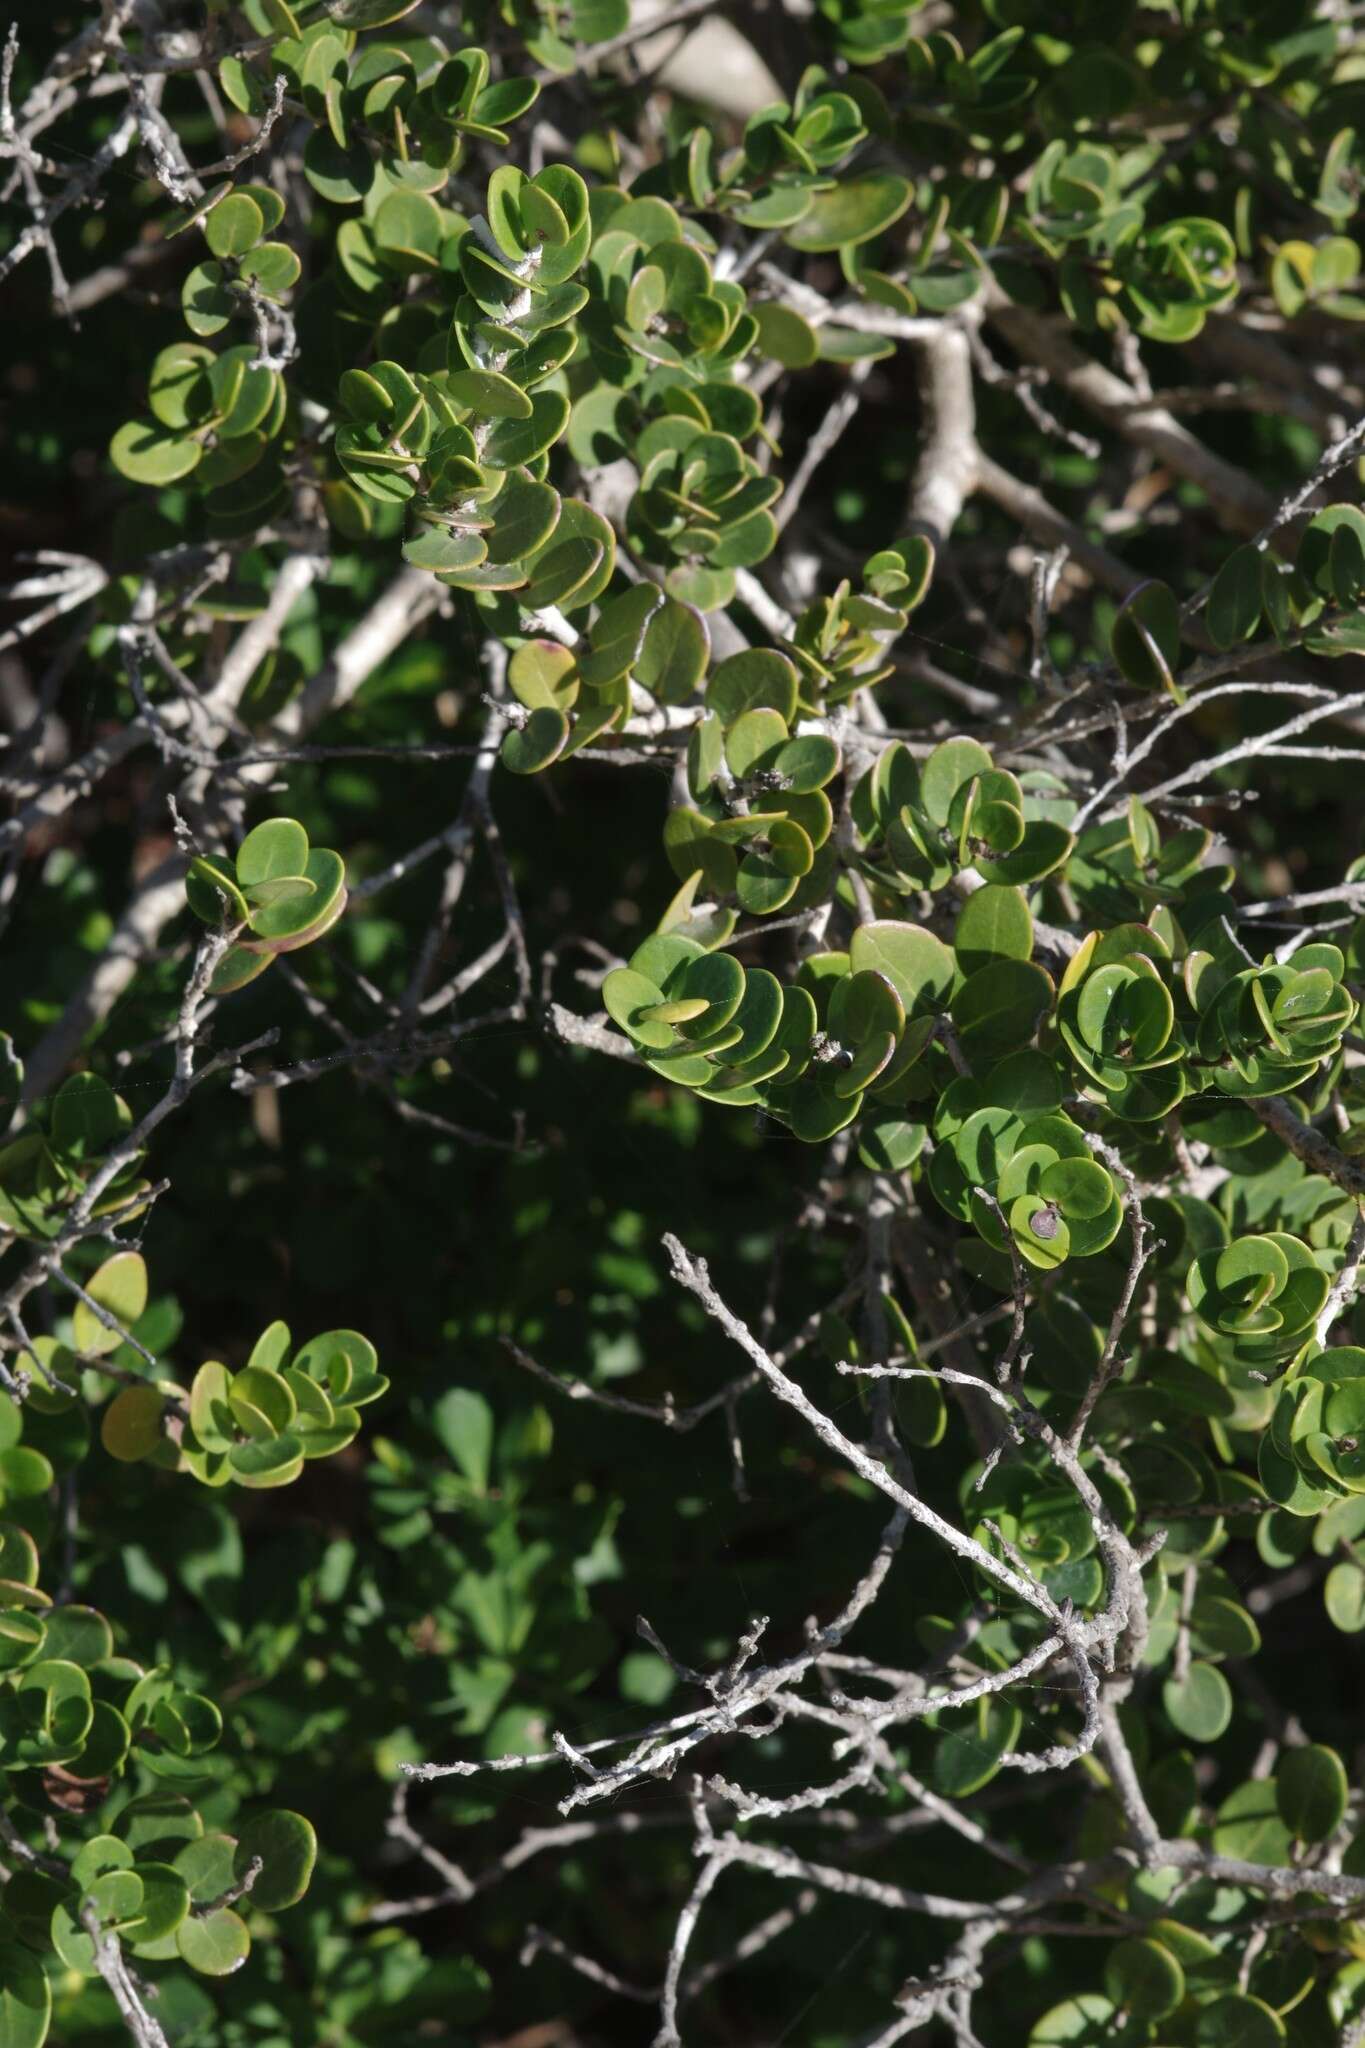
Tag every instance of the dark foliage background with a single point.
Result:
(429, 1592)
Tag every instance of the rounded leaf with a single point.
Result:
(529, 748)
(215, 1944)
(1200, 1704)
(1084, 2022)
(851, 212)
(287, 1847)
(952, 765)
(489, 394)
(278, 847)
(998, 1009)
(25, 1998)
(1344, 1595)
(1311, 1791)
(1238, 2021)
(235, 225)
(784, 336)
(165, 1902)
(120, 1288)
(969, 1755)
(750, 681)
(130, 1427)
(146, 452)
(993, 924)
(919, 966)
(1144, 1979)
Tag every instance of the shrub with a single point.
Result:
(826, 1052)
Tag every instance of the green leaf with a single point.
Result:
(628, 998)
(241, 86)
(215, 1944)
(672, 659)
(101, 1853)
(86, 1117)
(78, 1635)
(852, 212)
(489, 394)
(25, 1998)
(292, 919)
(525, 515)
(1043, 848)
(271, 1347)
(165, 1902)
(806, 763)
(130, 1427)
(815, 1109)
(261, 1402)
(1084, 2022)
(504, 211)
(1239, 2021)
(563, 568)
(211, 1417)
(864, 1004)
(1200, 1704)
(207, 1867)
(148, 453)
(750, 681)
(969, 1756)
(408, 232)
(439, 549)
(617, 635)
(919, 966)
(1145, 641)
(513, 442)
(1144, 1979)
(578, 560)
(363, 14)
(505, 101)
(1344, 1594)
(463, 1421)
(287, 1845)
(542, 673)
(267, 1461)
(277, 847)
(1332, 553)
(116, 1897)
(994, 923)
(1234, 605)
(273, 265)
(645, 1678)
(211, 891)
(1222, 1628)
(235, 225)
(120, 1287)
(998, 1009)
(1311, 1791)
(178, 389)
(206, 301)
(890, 1142)
(529, 748)
(951, 767)
(1249, 1825)
(785, 337)
(719, 980)
(46, 1716)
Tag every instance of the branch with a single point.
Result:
(109, 1961)
(1042, 339)
(1317, 1152)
